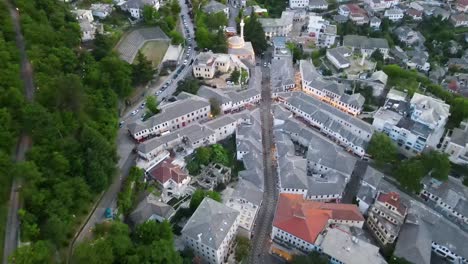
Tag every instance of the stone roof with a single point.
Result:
(214, 7)
(210, 223)
(364, 42)
(150, 206)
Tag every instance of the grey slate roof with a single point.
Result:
(338, 54)
(248, 191)
(149, 206)
(328, 184)
(372, 176)
(214, 7)
(414, 244)
(282, 73)
(363, 42)
(210, 223)
(220, 122)
(208, 93)
(330, 155)
(170, 112)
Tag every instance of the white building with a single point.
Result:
(342, 247)
(298, 3)
(321, 31)
(247, 199)
(318, 5)
(294, 215)
(173, 116)
(429, 111)
(211, 230)
(208, 63)
(135, 7)
(368, 189)
(366, 45)
(278, 26)
(350, 132)
(394, 14)
(375, 22)
(339, 57)
(330, 92)
(456, 144)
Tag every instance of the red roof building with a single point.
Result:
(298, 220)
(393, 199)
(166, 171)
(414, 14)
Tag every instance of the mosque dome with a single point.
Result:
(236, 42)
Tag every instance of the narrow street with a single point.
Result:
(24, 142)
(262, 230)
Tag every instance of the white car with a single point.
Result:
(135, 112)
(158, 92)
(185, 62)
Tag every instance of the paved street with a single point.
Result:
(262, 230)
(24, 142)
(125, 144)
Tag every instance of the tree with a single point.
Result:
(152, 105)
(437, 164)
(295, 51)
(199, 195)
(203, 155)
(313, 258)
(99, 251)
(143, 70)
(150, 231)
(244, 76)
(176, 37)
(39, 252)
(382, 149)
(175, 7)
(215, 107)
(219, 155)
(188, 85)
(235, 75)
(150, 15)
(242, 248)
(409, 173)
(255, 34)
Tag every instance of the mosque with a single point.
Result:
(240, 48)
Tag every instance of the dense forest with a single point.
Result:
(72, 124)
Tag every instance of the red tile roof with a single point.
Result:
(355, 9)
(414, 13)
(453, 85)
(393, 198)
(166, 170)
(307, 219)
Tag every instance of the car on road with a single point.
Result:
(158, 92)
(143, 105)
(121, 123)
(135, 112)
(185, 62)
(264, 64)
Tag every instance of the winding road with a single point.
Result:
(24, 142)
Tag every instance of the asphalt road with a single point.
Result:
(24, 142)
(262, 230)
(125, 144)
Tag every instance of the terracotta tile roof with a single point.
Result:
(307, 219)
(393, 199)
(453, 85)
(355, 9)
(166, 170)
(462, 2)
(414, 13)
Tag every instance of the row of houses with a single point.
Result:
(348, 131)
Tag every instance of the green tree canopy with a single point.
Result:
(215, 107)
(199, 195)
(382, 149)
(437, 164)
(152, 105)
(242, 248)
(39, 252)
(255, 34)
(143, 70)
(409, 173)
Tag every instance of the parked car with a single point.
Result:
(135, 112)
(121, 123)
(185, 62)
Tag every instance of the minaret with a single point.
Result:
(242, 24)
